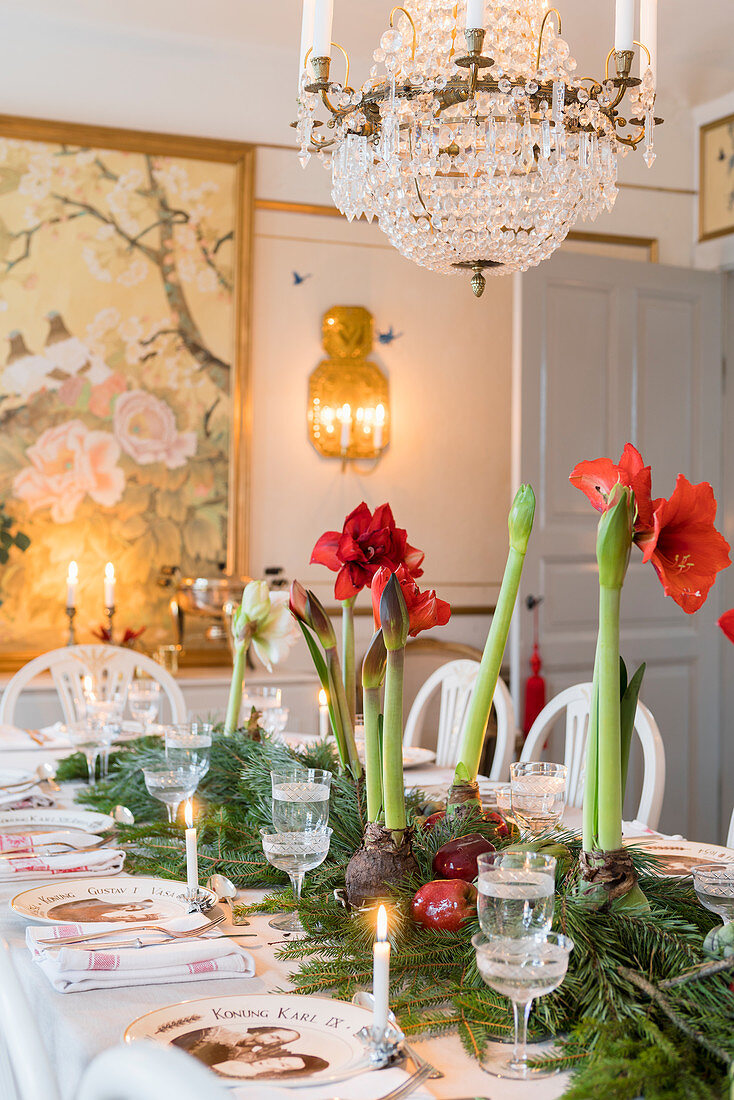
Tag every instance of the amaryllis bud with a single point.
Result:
(298, 601)
(521, 518)
(394, 615)
(319, 621)
(614, 538)
(375, 659)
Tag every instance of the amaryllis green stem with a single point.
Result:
(591, 780)
(372, 756)
(342, 709)
(393, 787)
(609, 759)
(235, 690)
(480, 704)
(348, 667)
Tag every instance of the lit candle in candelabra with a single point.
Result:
(109, 585)
(381, 976)
(379, 425)
(474, 14)
(192, 856)
(72, 579)
(324, 724)
(624, 25)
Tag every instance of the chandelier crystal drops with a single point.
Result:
(476, 149)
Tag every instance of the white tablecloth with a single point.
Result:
(79, 1026)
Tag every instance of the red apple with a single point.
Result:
(444, 903)
(501, 827)
(458, 858)
(432, 820)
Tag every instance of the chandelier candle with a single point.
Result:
(624, 25)
(474, 14)
(309, 8)
(192, 855)
(649, 36)
(381, 976)
(322, 21)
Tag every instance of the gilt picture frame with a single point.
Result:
(716, 179)
(125, 302)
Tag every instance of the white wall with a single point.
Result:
(719, 252)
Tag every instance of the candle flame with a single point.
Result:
(73, 574)
(88, 683)
(189, 813)
(382, 923)
(323, 699)
(109, 571)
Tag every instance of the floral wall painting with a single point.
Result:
(716, 169)
(124, 283)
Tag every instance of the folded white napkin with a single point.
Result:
(15, 842)
(75, 969)
(15, 737)
(29, 800)
(366, 1086)
(105, 861)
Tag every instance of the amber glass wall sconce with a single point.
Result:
(348, 396)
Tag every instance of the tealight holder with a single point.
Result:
(384, 1048)
(198, 901)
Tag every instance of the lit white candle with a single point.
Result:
(346, 421)
(306, 35)
(72, 579)
(192, 856)
(381, 975)
(323, 18)
(379, 424)
(624, 25)
(324, 725)
(109, 585)
(649, 35)
(474, 14)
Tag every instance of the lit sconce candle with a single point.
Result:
(346, 422)
(649, 36)
(381, 975)
(324, 724)
(322, 21)
(474, 14)
(192, 856)
(379, 424)
(72, 579)
(624, 25)
(309, 7)
(109, 585)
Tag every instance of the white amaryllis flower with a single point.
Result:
(263, 619)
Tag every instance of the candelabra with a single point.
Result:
(110, 614)
(70, 613)
(477, 159)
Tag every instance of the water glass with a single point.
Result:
(144, 699)
(714, 886)
(521, 970)
(189, 745)
(538, 794)
(171, 786)
(274, 696)
(516, 894)
(295, 853)
(300, 799)
(274, 720)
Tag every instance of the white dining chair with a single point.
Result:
(455, 680)
(25, 1069)
(576, 702)
(112, 666)
(147, 1071)
(730, 834)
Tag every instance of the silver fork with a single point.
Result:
(414, 1081)
(182, 935)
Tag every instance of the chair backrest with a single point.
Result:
(25, 1069)
(112, 666)
(456, 680)
(730, 835)
(576, 702)
(147, 1071)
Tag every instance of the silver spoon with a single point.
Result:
(226, 891)
(47, 774)
(122, 816)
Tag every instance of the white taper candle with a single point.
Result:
(309, 7)
(192, 855)
(381, 975)
(72, 578)
(109, 585)
(322, 21)
(624, 25)
(324, 725)
(649, 35)
(474, 14)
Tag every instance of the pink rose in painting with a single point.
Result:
(67, 463)
(145, 428)
(100, 400)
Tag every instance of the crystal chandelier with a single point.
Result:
(472, 142)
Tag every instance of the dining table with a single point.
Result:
(78, 1026)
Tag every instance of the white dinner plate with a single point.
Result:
(414, 756)
(87, 821)
(134, 900)
(283, 1039)
(678, 857)
(11, 777)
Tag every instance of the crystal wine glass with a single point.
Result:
(274, 720)
(516, 894)
(295, 853)
(538, 792)
(300, 799)
(714, 886)
(144, 699)
(171, 786)
(189, 744)
(522, 969)
(86, 736)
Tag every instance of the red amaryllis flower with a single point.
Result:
(129, 636)
(684, 547)
(424, 608)
(597, 479)
(365, 544)
(726, 622)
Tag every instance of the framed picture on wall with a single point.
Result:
(125, 278)
(716, 181)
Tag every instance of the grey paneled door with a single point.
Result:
(612, 351)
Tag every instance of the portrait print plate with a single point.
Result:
(678, 857)
(282, 1039)
(135, 900)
